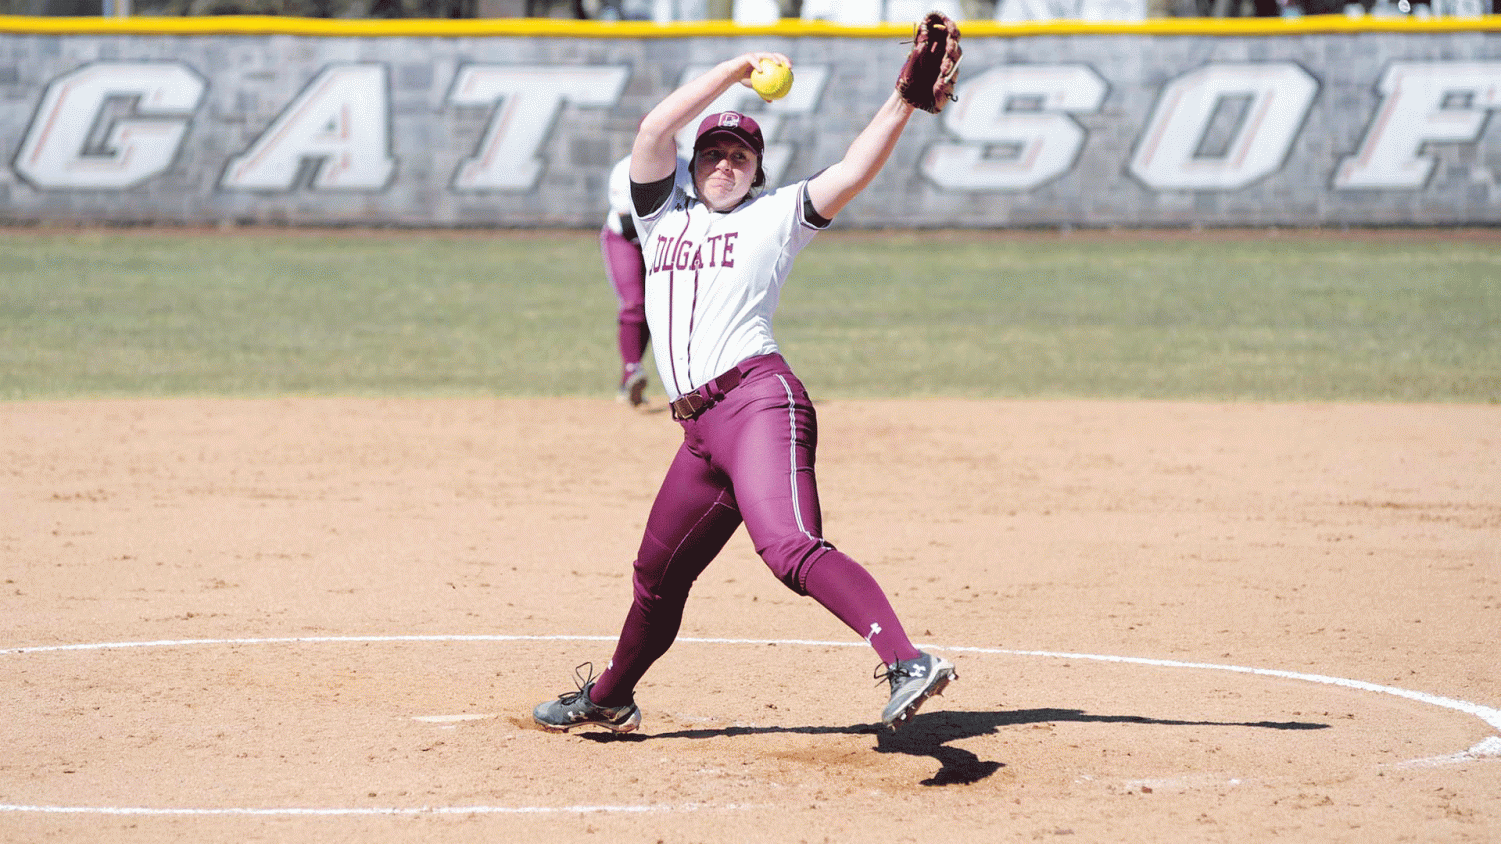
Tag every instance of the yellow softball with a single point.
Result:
(771, 79)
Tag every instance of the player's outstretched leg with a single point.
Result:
(575, 709)
(913, 681)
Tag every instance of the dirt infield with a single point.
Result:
(328, 620)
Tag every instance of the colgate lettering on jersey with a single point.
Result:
(683, 254)
(708, 300)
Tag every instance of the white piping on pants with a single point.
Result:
(797, 509)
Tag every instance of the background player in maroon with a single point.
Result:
(716, 261)
(620, 247)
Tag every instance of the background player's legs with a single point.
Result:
(765, 436)
(627, 273)
(692, 518)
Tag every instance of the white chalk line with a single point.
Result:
(454, 719)
(337, 812)
(1489, 747)
(1489, 715)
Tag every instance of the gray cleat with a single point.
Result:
(633, 387)
(913, 681)
(575, 709)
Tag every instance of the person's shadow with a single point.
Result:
(928, 734)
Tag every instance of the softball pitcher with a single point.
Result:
(716, 261)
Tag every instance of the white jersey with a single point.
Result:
(618, 193)
(713, 280)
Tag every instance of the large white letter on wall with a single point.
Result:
(109, 125)
(1264, 104)
(1422, 103)
(1015, 128)
(339, 124)
(527, 101)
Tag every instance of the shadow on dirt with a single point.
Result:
(928, 734)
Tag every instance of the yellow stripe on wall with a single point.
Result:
(787, 28)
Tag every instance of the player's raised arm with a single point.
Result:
(654, 153)
(926, 81)
(832, 189)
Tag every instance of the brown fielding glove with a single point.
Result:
(932, 68)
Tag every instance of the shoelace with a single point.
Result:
(582, 680)
(891, 674)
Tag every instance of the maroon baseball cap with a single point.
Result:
(741, 126)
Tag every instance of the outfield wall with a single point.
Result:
(1325, 121)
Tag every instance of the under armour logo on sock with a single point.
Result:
(874, 629)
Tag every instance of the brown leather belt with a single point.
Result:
(705, 397)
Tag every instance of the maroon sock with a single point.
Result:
(642, 642)
(847, 590)
(632, 339)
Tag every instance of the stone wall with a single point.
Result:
(1319, 122)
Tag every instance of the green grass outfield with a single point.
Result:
(1275, 316)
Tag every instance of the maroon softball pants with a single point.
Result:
(746, 460)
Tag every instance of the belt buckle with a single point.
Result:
(688, 406)
(694, 403)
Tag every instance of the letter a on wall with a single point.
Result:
(339, 125)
